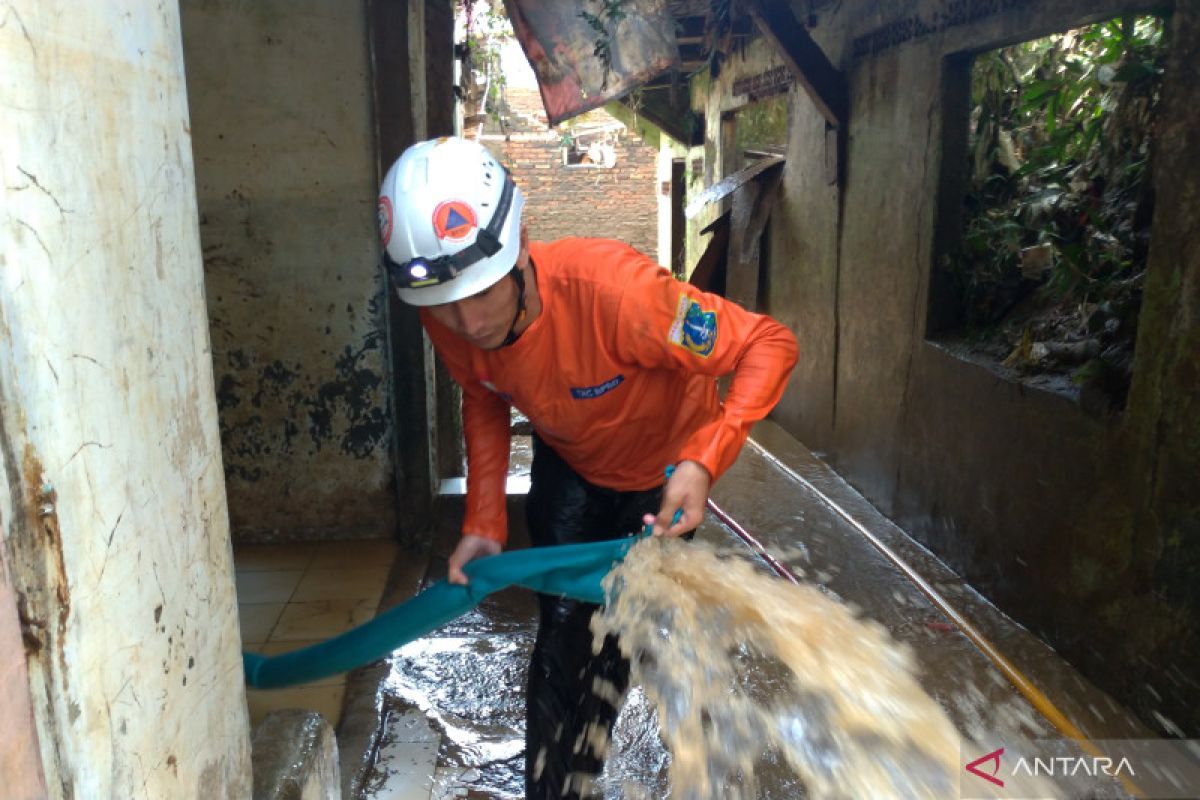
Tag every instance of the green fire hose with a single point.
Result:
(569, 570)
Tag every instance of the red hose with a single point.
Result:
(778, 567)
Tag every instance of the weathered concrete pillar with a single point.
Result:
(1162, 629)
(112, 502)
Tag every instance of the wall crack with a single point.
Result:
(33, 179)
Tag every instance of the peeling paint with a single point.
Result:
(42, 517)
(343, 413)
(291, 271)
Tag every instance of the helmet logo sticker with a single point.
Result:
(384, 213)
(454, 220)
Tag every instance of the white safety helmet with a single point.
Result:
(450, 221)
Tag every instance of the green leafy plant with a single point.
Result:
(603, 23)
(1059, 155)
(487, 30)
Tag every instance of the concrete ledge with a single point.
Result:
(1090, 709)
(294, 756)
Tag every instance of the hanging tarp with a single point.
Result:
(587, 52)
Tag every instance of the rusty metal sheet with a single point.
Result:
(562, 46)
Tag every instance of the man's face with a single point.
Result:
(482, 319)
(485, 319)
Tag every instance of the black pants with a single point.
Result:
(563, 508)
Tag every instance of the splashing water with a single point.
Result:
(740, 666)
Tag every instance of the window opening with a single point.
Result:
(1046, 204)
(594, 145)
(761, 129)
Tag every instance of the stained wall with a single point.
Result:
(1083, 527)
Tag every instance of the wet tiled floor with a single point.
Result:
(291, 595)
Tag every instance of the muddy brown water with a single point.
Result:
(748, 673)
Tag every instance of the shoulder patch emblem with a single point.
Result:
(694, 329)
(453, 220)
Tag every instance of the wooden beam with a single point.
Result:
(752, 204)
(728, 185)
(825, 84)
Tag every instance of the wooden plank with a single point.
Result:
(726, 186)
(748, 218)
(825, 84)
(710, 270)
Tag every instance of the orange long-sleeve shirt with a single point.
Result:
(617, 374)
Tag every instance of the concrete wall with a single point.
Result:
(281, 102)
(115, 532)
(1086, 529)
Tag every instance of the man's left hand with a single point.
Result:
(686, 490)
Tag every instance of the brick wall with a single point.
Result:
(618, 202)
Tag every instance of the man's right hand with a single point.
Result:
(470, 547)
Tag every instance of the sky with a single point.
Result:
(516, 68)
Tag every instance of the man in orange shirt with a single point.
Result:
(614, 363)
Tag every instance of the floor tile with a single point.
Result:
(409, 767)
(364, 582)
(353, 553)
(274, 586)
(257, 620)
(321, 619)
(325, 700)
(274, 648)
(277, 556)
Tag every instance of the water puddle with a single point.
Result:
(469, 681)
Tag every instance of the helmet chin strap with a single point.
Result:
(521, 310)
